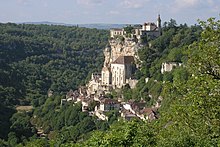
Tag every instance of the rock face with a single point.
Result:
(121, 55)
(117, 48)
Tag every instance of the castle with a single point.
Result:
(148, 29)
(121, 57)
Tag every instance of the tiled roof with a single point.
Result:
(124, 60)
(116, 29)
(109, 101)
(148, 111)
(150, 24)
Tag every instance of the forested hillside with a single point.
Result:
(38, 58)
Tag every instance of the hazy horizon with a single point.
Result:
(107, 12)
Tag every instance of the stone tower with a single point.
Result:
(159, 24)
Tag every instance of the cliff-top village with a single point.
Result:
(120, 63)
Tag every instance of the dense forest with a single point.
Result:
(36, 59)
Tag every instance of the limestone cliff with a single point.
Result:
(118, 47)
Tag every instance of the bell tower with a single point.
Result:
(158, 21)
(159, 24)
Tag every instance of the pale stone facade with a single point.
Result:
(106, 76)
(94, 83)
(109, 104)
(147, 29)
(117, 32)
(167, 67)
(121, 70)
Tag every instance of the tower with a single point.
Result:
(158, 21)
(159, 24)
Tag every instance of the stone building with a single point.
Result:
(109, 104)
(148, 29)
(106, 76)
(94, 84)
(167, 67)
(116, 32)
(121, 70)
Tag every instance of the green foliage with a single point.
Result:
(129, 30)
(3, 143)
(36, 58)
(133, 133)
(193, 112)
(21, 126)
(37, 143)
(5, 115)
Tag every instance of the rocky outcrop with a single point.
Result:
(118, 47)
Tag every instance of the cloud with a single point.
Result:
(113, 12)
(135, 4)
(90, 2)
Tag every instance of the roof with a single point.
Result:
(148, 111)
(116, 29)
(109, 101)
(150, 24)
(137, 26)
(138, 105)
(124, 60)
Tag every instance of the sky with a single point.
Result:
(107, 11)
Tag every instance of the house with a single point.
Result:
(94, 83)
(83, 90)
(72, 95)
(134, 106)
(116, 32)
(86, 101)
(137, 106)
(109, 104)
(167, 67)
(127, 115)
(147, 114)
(101, 115)
(106, 76)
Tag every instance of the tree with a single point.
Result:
(133, 133)
(195, 105)
(172, 23)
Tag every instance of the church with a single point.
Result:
(120, 70)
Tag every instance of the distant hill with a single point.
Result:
(95, 25)
(102, 26)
